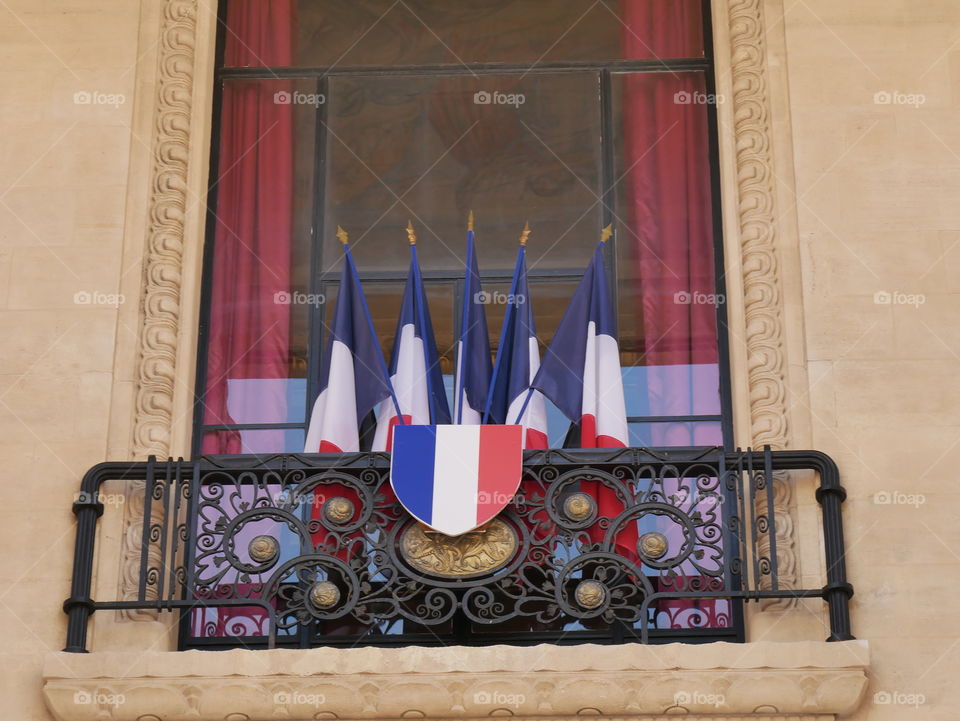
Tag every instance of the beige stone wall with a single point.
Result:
(66, 102)
(878, 183)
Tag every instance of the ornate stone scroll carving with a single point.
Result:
(763, 299)
(162, 266)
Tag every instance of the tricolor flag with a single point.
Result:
(580, 373)
(518, 360)
(354, 376)
(472, 378)
(456, 478)
(414, 364)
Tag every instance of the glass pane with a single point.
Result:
(256, 357)
(271, 440)
(423, 148)
(344, 33)
(665, 245)
(676, 434)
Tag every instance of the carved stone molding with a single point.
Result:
(722, 681)
(764, 334)
(160, 309)
(763, 297)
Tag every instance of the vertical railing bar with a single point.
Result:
(771, 517)
(754, 533)
(178, 484)
(164, 527)
(728, 549)
(193, 499)
(147, 516)
(741, 524)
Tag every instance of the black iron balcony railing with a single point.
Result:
(312, 550)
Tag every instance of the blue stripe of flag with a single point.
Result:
(412, 468)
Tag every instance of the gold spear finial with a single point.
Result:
(525, 234)
(411, 235)
(606, 233)
(342, 235)
(470, 221)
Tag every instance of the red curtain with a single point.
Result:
(670, 235)
(249, 330)
(655, 29)
(670, 217)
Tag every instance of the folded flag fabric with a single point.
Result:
(580, 373)
(518, 360)
(354, 378)
(414, 363)
(472, 378)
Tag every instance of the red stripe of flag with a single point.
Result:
(497, 473)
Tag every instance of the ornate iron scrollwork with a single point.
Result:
(332, 543)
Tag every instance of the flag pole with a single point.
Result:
(460, 390)
(605, 235)
(421, 313)
(344, 240)
(521, 251)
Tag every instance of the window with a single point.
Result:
(365, 113)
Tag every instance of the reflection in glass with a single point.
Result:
(347, 33)
(421, 147)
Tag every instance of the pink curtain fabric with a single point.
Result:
(669, 216)
(658, 29)
(249, 332)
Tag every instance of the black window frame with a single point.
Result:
(318, 281)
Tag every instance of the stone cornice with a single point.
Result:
(720, 680)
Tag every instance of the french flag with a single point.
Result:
(517, 363)
(414, 364)
(456, 478)
(580, 373)
(354, 376)
(472, 378)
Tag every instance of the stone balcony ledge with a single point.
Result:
(806, 680)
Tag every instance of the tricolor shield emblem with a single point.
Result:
(456, 478)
